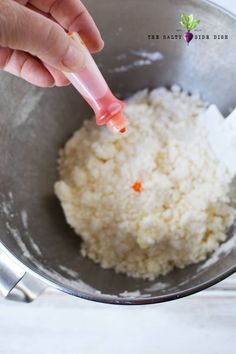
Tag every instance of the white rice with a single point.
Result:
(184, 207)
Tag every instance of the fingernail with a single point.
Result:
(74, 58)
(102, 44)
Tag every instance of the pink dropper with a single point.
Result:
(92, 86)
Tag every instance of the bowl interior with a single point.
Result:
(35, 123)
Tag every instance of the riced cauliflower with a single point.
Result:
(153, 198)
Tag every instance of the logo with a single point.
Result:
(189, 23)
(189, 31)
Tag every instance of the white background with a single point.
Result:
(60, 324)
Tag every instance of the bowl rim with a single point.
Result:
(113, 299)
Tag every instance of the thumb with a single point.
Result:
(27, 30)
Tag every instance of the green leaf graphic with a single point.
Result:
(194, 24)
(190, 18)
(189, 22)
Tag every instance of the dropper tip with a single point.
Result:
(118, 123)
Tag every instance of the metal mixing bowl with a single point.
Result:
(35, 123)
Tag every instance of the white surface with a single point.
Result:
(59, 324)
(227, 4)
(204, 323)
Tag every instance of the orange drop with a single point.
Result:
(123, 130)
(137, 187)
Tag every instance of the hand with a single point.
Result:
(33, 40)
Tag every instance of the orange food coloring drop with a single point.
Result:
(123, 130)
(137, 187)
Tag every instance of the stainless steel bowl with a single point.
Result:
(35, 123)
